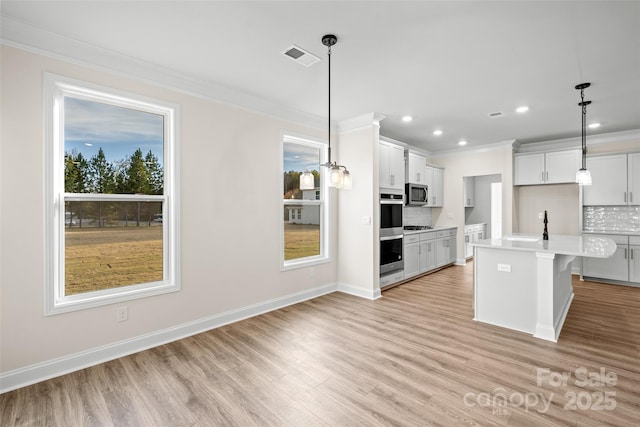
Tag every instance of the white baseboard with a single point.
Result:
(359, 292)
(32, 374)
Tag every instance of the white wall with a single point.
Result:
(230, 252)
(490, 160)
(358, 269)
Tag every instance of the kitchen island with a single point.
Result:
(522, 282)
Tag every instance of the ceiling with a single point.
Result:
(447, 64)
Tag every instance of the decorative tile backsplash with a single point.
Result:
(612, 219)
(416, 215)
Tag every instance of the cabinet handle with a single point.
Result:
(630, 196)
(468, 201)
(392, 178)
(625, 197)
(542, 176)
(429, 247)
(418, 176)
(466, 239)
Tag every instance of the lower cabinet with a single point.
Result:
(427, 251)
(445, 247)
(623, 265)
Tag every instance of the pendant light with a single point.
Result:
(583, 176)
(339, 176)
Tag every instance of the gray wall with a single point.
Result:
(481, 211)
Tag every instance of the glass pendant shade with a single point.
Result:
(306, 181)
(347, 183)
(335, 177)
(583, 177)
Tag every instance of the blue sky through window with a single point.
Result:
(298, 157)
(89, 125)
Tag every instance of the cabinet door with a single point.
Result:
(561, 166)
(469, 190)
(411, 259)
(634, 179)
(437, 193)
(396, 166)
(528, 169)
(451, 247)
(431, 255)
(442, 251)
(468, 249)
(415, 171)
(634, 264)
(384, 155)
(614, 268)
(609, 176)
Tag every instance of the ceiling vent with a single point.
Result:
(496, 114)
(301, 56)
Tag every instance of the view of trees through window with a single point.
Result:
(302, 208)
(112, 241)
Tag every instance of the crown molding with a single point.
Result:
(368, 119)
(36, 40)
(393, 141)
(476, 149)
(576, 142)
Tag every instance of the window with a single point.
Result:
(304, 226)
(111, 185)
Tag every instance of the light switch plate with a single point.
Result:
(504, 267)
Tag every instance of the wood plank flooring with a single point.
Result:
(414, 357)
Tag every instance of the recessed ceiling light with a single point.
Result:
(437, 132)
(407, 119)
(594, 125)
(522, 109)
(462, 142)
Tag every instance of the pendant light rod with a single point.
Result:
(329, 40)
(583, 176)
(583, 104)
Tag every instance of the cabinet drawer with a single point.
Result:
(427, 236)
(446, 233)
(391, 278)
(411, 238)
(634, 240)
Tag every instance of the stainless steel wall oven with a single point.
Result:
(391, 232)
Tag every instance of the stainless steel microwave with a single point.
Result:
(416, 194)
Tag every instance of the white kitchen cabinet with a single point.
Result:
(391, 162)
(416, 169)
(614, 268)
(633, 179)
(634, 264)
(420, 253)
(609, 176)
(435, 182)
(561, 166)
(445, 247)
(634, 260)
(469, 191)
(472, 234)
(528, 169)
(411, 255)
(428, 259)
(554, 167)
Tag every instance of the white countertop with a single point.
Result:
(588, 246)
(431, 230)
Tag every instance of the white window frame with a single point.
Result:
(323, 202)
(55, 88)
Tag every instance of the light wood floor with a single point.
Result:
(414, 357)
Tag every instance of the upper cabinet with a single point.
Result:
(391, 160)
(555, 167)
(616, 180)
(416, 169)
(469, 191)
(435, 183)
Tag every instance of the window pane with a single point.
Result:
(112, 149)
(112, 244)
(299, 158)
(301, 231)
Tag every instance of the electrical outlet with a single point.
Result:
(122, 314)
(540, 215)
